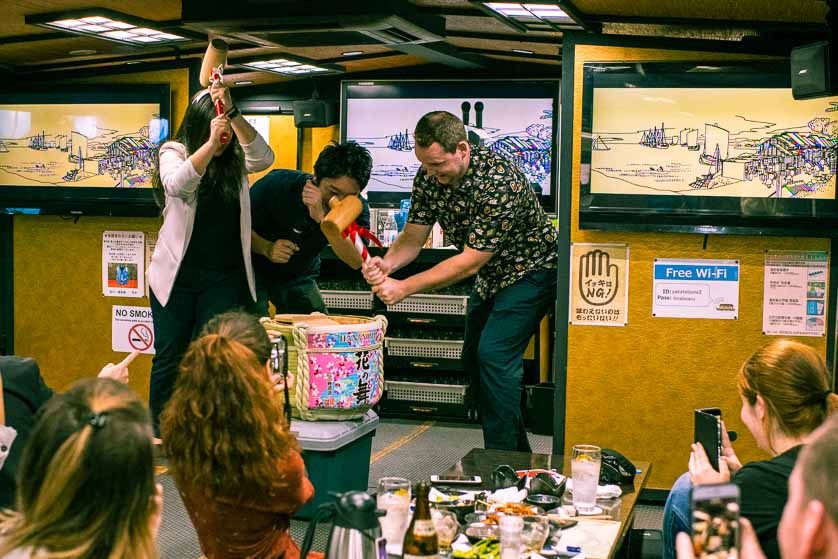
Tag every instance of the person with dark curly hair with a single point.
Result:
(237, 467)
(287, 208)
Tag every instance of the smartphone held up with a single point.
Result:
(715, 521)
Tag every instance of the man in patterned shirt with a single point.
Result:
(485, 204)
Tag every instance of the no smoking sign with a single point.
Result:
(132, 329)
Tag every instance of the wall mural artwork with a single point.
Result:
(521, 129)
(79, 145)
(758, 143)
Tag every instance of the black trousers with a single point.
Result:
(498, 330)
(197, 296)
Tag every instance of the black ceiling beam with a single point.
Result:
(149, 57)
(355, 57)
(521, 55)
(71, 74)
(35, 37)
(584, 20)
(441, 53)
(460, 12)
(501, 37)
(290, 13)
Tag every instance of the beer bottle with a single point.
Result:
(420, 540)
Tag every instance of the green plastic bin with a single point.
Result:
(336, 455)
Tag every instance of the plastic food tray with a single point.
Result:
(432, 304)
(415, 347)
(334, 299)
(425, 392)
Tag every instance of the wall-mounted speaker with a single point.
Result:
(811, 73)
(313, 113)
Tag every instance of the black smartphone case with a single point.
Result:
(708, 432)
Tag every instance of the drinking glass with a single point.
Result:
(394, 498)
(585, 464)
(534, 532)
(510, 536)
(446, 526)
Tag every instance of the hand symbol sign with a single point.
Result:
(598, 281)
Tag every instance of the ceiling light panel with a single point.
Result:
(533, 16)
(109, 25)
(285, 66)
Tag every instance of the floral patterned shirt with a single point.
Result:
(493, 209)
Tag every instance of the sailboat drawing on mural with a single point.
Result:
(599, 144)
(654, 138)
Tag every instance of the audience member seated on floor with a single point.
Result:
(238, 468)
(809, 526)
(784, 388)
(23, 393)
(86, 489)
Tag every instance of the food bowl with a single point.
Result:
(546, 502)
(505, 476)
(477, 531)
(459, 508)
(456, 503)
(546, 484)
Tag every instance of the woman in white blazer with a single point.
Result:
(201, 264)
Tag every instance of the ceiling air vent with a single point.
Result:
(395, 30)
(397, 35)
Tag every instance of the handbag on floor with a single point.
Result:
(337, 363)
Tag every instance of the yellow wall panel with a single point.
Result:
(314, 140)
(634, 388)
(61, 317)
(283, 140)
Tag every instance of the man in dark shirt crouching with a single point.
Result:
(287, 207)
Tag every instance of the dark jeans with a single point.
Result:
(297, 296)
(197, 296)
(497, 333)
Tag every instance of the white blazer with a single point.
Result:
(180, 183)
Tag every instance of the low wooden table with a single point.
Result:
(482, 462)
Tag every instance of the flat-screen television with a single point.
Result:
(79, 150)
(709, 148)
(517, 119)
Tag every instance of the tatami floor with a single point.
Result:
(406, 448)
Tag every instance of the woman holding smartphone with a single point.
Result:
(784, 388)
(201, 264)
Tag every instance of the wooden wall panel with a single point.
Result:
(634, 388)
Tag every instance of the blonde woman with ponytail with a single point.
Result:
(786, 395)
(86, 487)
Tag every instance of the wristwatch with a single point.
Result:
(233, 113)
